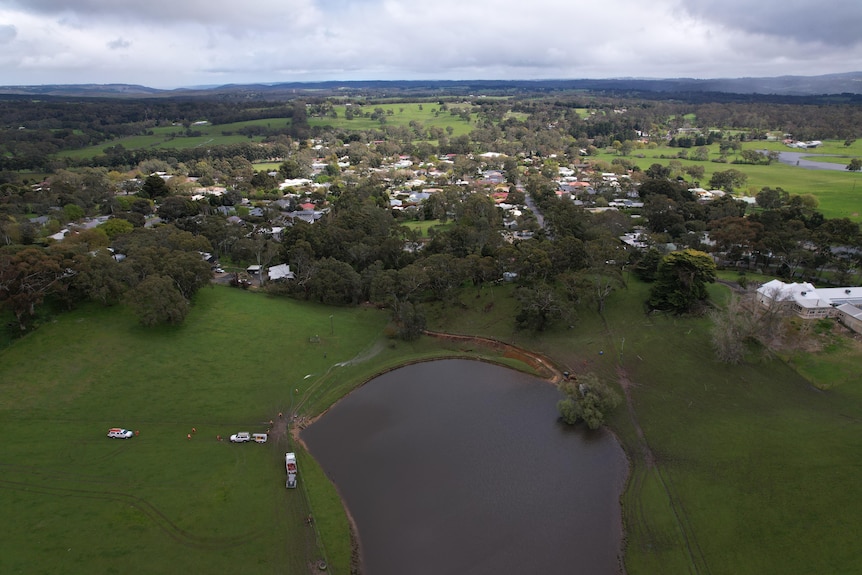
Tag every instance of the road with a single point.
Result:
(531, 205)
(798, 159)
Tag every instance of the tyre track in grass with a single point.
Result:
(696, 559)
(150, 511)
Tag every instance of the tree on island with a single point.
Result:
(588, 399)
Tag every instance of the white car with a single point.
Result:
(119, 433)
(240, 437)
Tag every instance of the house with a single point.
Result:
(850, 316)
(809, 302)
(281, 271)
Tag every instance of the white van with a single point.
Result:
(119, 433)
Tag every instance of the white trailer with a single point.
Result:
(290, 465)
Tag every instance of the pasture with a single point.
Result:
(174, 498)
(175, 137)
(75, 501)
(427, 114)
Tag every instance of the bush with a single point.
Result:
(587, 399)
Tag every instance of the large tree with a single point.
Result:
(681, 281)
(154, 187)
(728, 180)
(27, 278)
(157, 301)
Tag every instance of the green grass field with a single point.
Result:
(173, 137)
(402, 114)
(425, 226)
(75, 501)
(839, 192)
(842, 160)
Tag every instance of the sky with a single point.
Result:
(182, 43)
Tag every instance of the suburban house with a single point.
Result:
(281, 271)
(808, 302)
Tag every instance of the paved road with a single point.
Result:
(798, 159)
(531, 205)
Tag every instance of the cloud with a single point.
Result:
(838, 23)
(222, 13)
(224, 41)
(118, 43)
(7, 33)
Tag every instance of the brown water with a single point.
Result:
(461, 467)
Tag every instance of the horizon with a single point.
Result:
(270, 83)
(168, 45)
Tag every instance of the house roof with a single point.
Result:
(280, 271)
(807, 296)
(851, 310)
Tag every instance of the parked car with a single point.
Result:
(119, 433)
(240, 437)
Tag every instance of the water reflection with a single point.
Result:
(461, 467)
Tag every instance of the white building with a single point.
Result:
(808, 302)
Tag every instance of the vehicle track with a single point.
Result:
(146, 508)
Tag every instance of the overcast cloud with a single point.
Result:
(173, 43)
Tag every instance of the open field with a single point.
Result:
(424, 226)
(837, 191)
(402, 114)
(842, 160)
(173, 137)
(75, 501)
(266, 166)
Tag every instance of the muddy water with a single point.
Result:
(461, 467)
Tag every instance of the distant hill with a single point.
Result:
(781, 86)
(91, 90)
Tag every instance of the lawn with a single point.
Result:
(425, 226)
(75, 501)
